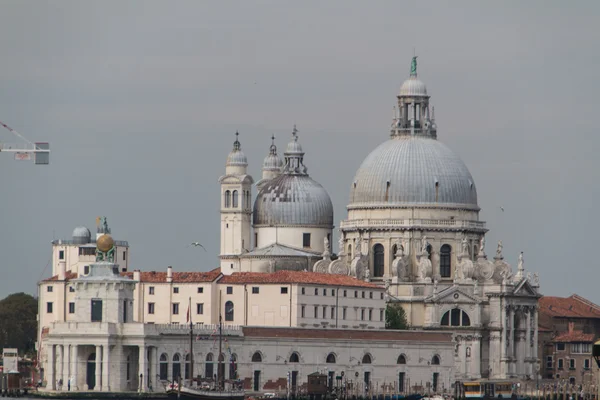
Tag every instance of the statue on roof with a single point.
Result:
(482, 245)
(424, 244)
(413, 66)
(520, 262)
(499, 249)
(464, 246)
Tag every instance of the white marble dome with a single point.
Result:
(413, 170)
(413, 87)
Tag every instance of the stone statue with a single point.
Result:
(325, 244)
(413, 66)
(424, 244)
(482, 245)
(499, 249)
(520, 262)
(105, 225)
(464, 245)
(367, 274)
(536, 278)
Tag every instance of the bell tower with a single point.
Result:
(236, 209)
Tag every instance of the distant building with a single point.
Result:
(569, 326)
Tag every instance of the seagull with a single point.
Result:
(502, 208)
(196, 244)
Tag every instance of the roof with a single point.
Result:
(290, 277)
(68, 276)
(280, 250)
(573, 306)
(575, 336)
(178, 277)
(347, 334)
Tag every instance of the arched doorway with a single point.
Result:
(90, 378)
(378, 260)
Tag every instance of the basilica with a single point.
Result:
(412, 237)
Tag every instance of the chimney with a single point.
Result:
(571, 327)
(137, 276)
(62, 270)
(169, 274)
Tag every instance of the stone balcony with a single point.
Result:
(431, 224)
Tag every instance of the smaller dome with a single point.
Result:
(294, 147)
(272, 162)
(237, 156)
(82, 235)
(105, 242)
(413, 87)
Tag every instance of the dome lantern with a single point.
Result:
(236, 160)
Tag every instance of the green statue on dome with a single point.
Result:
(413, 66)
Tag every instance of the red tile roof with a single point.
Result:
(575, 336)
(178, 277)
(68, 276)
(347, 334)
(568, 307)
(290, 277)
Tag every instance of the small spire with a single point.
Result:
(273, 148)
(295, 133)
(236, 144)
(413, 66)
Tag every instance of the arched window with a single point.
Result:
(208, 367)
(445, 261)
(164, 367)
(330, 358)
(401, 359)
(378, 260)
(229, 311)
(227, 199)
(455, 317)
(366, 359)
(294, 358)
(176, 366)
(435, 360)
(234, 198)
(256, 357)
(187, 366)
(233, 366)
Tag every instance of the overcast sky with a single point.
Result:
(140, 102)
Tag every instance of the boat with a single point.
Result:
(179, 391)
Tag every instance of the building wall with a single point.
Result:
(73, 262)
(293, 237)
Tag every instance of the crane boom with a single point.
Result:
(23, 151)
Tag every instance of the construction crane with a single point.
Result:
(24, 151)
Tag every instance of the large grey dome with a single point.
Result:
(82, 235)
(293, 200)
(413, 170)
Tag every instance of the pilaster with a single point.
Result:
(74, 362)
(142, 387)
(105, 368)
(98, 385)
(51, 377)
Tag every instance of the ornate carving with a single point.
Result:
(338, 267)
(321, 266)
(499, 250)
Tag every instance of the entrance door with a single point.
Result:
(367, 381)
(256, 381)
(294, 381)
(90, 378)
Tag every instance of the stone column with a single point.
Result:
(528, 343)
(476, 357)
(465, 360)
(68, 366)
(142, 387)
(61, 366)
(533, 339)
(512, 339)
(505, 341)
(98, 386)
(74, 366)
(50, 377)
(105, 368)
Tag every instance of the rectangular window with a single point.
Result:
(72, 289)
(344, 313)
(581, 348)
(229, 289)
(345, 293)
(549, 362)
(333, 292)
(255, 239)
(586, 363)
(284, 290)
(324, 312)
(71, 308)
(401, 380)
(96, 310)
(370, 295)
(332, 312)
(363, 294)
(50, 289)
(356, 293)
(316, 312)
(150, 308)
(303, 291)
(86, 269)
(362, 314)
(560, 346)
(200, 290)
(381, 314)
(324, 292)
(124, 311)
(436, 376)
(302, 311)
(151, 290)
(382, 296)
(306, 239)
(572, 363)
(175, 308)
(370, 315)
(175, 290)
(560, 364)
(316, 292)
(124, 255)
(87, 251)
(199, 308)
(49, 307)
(255, 290)
(61, 255)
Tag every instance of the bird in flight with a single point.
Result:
(196, 244)
(502, 208)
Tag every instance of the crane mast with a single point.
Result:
(24, 151)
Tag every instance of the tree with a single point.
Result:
(395, 317)
(18, 322)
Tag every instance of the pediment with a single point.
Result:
(236, 179)
(453, 294)
(524, 288)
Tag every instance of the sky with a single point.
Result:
(140, 101)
